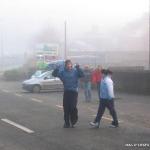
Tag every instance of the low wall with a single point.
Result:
(132, 81)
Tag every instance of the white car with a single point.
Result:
(45, 81)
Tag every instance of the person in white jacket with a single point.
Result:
(106, 100)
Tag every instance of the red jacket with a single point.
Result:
(96, 76)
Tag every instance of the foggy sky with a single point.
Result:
(21, 20)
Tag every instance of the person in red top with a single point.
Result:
(96, 77)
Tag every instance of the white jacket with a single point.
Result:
(107, 88)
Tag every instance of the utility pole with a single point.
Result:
(149, 37)
(1, 48)
(65, 42)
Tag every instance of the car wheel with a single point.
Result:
(36, 89)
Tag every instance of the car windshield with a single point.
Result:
(47, 74)
(38, 73)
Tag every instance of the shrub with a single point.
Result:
(15, 74)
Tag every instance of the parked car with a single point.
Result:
(45, 81)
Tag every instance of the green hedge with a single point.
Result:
(14, 75)
(18, 74)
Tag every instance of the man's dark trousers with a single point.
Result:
(70, 107)
(110, 105)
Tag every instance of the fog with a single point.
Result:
(92, 25)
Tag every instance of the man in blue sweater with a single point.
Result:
(69, 75)
(106, 100)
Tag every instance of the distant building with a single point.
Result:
(136, 59)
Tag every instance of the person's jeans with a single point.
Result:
(87, 91)
(70, 107)
(98, 89)
(110, 105)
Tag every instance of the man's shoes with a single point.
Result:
(66, 126)
(72, 126)
(113, 125)
(94, 124)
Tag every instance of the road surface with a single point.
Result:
(35, 122)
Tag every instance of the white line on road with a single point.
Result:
(5, 91)
(36, 100)
(93, 110)
(18, 95)
(18, 126)
(111, 119)
(107, 118)
(59, 106)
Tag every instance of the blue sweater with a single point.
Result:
(69, 77)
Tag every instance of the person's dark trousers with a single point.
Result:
(70, 107)
(110, 105)
(98, 89)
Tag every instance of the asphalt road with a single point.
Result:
(35, 122)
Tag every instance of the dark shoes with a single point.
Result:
(66, 126)
(114, 125)
(72, 126)
(94, 124)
